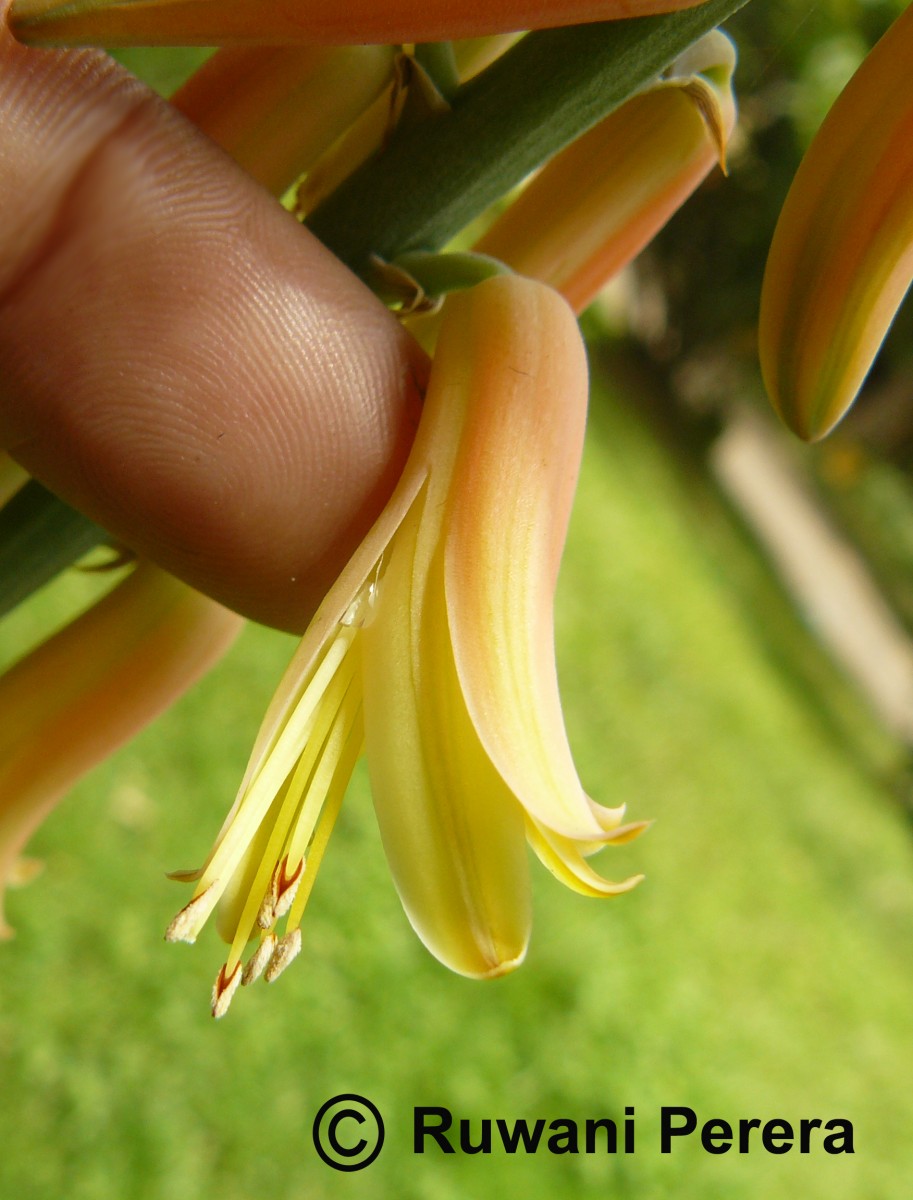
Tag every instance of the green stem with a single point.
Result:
(438, 59)
(435, 177)
(40, 536)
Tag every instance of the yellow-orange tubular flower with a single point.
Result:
(87, 690)
(600, 201)
(435, 647)
(274, 22)
(276, 110)
(842, 254)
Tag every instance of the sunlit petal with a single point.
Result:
(509, 506)
(452, 831)
(564, 858)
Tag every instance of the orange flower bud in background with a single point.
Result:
(277, 110)
(841, 260)
(86, 691)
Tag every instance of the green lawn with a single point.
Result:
(762, 970)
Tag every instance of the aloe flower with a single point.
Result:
(842, 254)
(435, 649)
(600, 201)
(366, 135)
(87, 690)
(274, 22)
(276, 110)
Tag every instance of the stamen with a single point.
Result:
(353, 733)
(287, 950)
(279, 894)
(326, 770)
(258, 961)
(261, 902)
(288, 887)
(192, 917)
(281, 759)
(224, 989)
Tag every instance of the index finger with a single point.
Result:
(178, 358)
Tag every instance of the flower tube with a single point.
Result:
(435, 648)
(276, 110)
(86, 691)
(275, 22)
(599, 202)
(841, 259)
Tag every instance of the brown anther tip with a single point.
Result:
(224, 990)
(279, 894)
(287, 887)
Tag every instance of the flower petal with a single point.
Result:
(452, 832)
(275, 110)
(566, 862)
(842, 254)
(509, 504)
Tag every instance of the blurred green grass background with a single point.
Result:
(763, 969)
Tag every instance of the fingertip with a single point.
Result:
(180, 359)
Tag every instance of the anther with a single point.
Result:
(258, 961)
(287, 950)
(187, 924)
(224, 989)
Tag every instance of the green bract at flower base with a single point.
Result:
(435, 646)
(841, 260)
(273, 22)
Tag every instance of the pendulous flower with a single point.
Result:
(435, 649)
(841, 259)
(275, 22)
(599, 202)
(87, 690)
